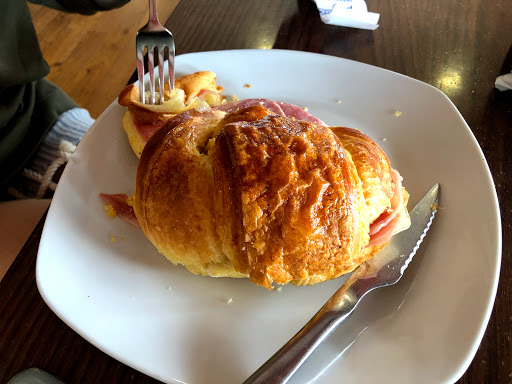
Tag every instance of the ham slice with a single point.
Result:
(120, 203)
(266, 103)
(146, 130)
(298, 113)
(277, 107)
(383, 228)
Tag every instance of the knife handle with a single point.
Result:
(285, 362)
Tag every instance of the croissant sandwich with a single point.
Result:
(255, 188)
(263, 190)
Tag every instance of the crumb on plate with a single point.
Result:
(111, 212)
(131, 200)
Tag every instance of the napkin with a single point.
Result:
(347, 13)
(504, 82)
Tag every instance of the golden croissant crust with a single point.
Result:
(253, 194)
(372, 166)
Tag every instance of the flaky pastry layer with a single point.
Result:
(253, 194)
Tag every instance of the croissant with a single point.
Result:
(254, 194)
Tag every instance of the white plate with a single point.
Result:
(130, 302)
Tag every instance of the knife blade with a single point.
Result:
(384, 269)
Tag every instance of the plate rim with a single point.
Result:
(497, 241)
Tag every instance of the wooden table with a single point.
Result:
(457, 46)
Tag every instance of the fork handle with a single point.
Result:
(153, 16)
(285, 362)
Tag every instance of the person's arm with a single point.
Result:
(84, 7)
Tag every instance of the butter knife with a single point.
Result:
(384, 269)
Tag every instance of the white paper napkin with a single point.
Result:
(504, 82)
(347, 13)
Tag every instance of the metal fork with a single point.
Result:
(154, 37)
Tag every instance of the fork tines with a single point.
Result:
(161, 44)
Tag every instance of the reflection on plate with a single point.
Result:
(105, 280)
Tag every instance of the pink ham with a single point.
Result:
(147, 130)
(268, 104)
(277, 107)
(298, 113)
(385, 234)
(382, 229)
(120, 203)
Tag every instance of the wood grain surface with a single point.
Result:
(457, 46)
